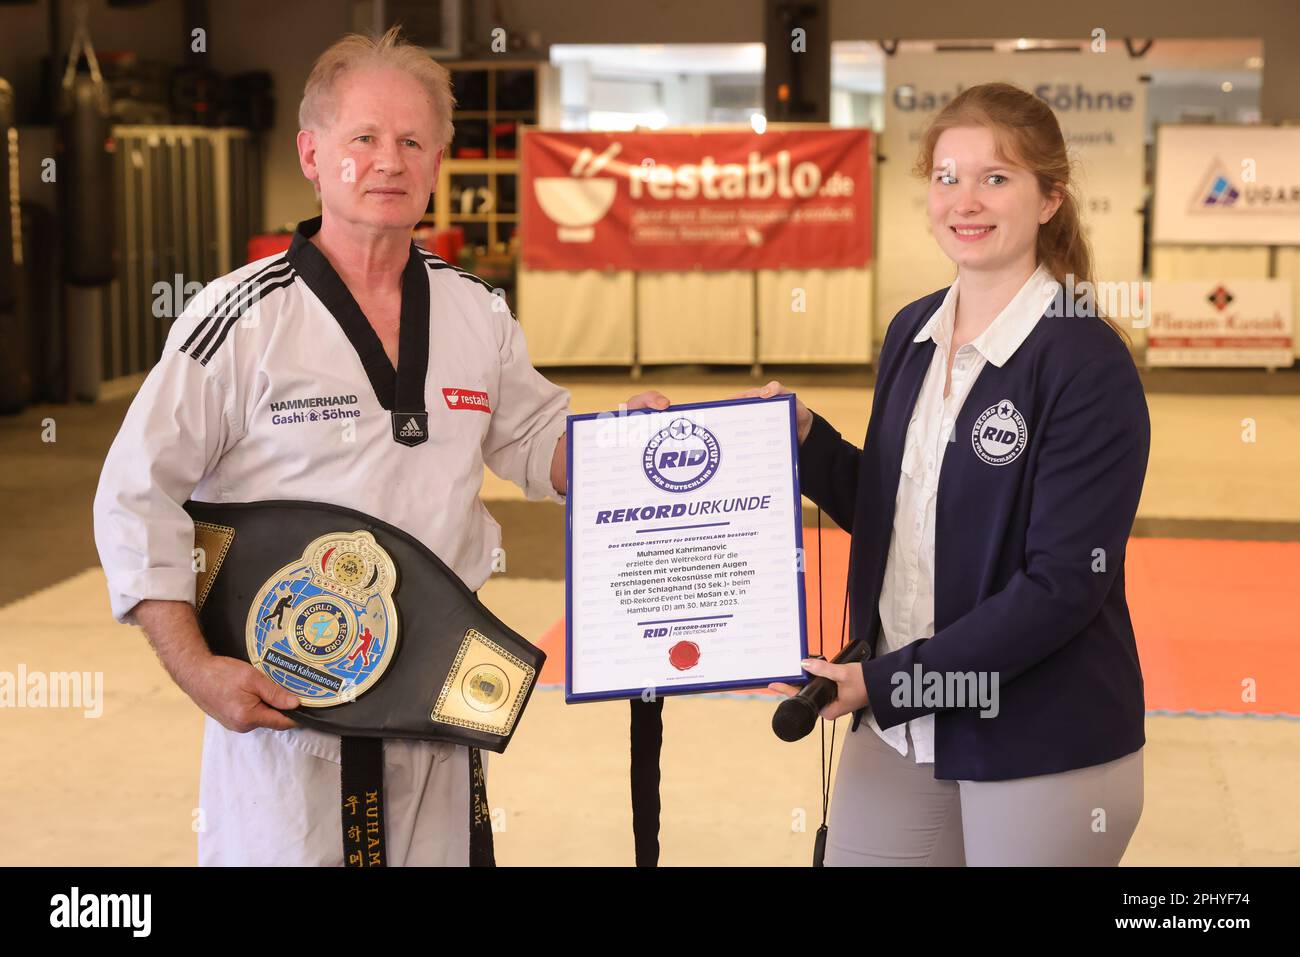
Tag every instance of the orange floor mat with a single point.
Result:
(1217, 623)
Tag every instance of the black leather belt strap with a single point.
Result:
(647, 743)
(482, 853)
(361, 775)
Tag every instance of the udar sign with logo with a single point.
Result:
(712, 200)
(1227, 185)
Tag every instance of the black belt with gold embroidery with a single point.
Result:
(376, 636)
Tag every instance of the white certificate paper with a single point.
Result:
(684, 550)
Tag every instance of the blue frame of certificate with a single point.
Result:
(799, 678)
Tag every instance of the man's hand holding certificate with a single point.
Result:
(684, 550)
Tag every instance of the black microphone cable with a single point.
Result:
(819, 844)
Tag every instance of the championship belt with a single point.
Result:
(372, 632)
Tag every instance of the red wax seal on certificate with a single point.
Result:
(684, 655)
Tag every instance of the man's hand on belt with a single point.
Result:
(232, 691)
(239, 696)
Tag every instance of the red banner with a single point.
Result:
(798, 199)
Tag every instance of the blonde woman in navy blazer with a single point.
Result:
(990, 507)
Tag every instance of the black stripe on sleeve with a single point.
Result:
(262, 291)
(238, 291)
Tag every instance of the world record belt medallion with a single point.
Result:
(325, 626)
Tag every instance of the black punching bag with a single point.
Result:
(8, 202)
(15, 377)
(84, 171)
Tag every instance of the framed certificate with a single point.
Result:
(684, 550)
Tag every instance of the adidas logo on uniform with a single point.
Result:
(410, 428)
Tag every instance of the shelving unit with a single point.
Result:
(478, 183)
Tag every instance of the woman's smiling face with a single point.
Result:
(984, 209)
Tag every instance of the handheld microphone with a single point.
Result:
(795, 717)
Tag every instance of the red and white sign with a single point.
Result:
(798, 199)
(466, 399)
(1245, 322)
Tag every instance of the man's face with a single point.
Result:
(376, 161)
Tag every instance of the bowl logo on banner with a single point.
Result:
(577, 201)
(681, 457)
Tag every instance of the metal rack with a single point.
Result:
(187, 199)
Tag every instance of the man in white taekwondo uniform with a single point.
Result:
(357, 370)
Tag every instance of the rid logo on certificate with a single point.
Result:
(683, 549)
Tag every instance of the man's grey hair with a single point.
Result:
(357, 50)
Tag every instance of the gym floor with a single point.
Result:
(1212, 573)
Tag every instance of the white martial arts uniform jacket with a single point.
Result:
(273, 385)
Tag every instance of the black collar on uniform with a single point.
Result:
(400, 389)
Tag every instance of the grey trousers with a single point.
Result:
(889, 811)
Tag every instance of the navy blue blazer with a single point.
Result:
(1020, 586)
